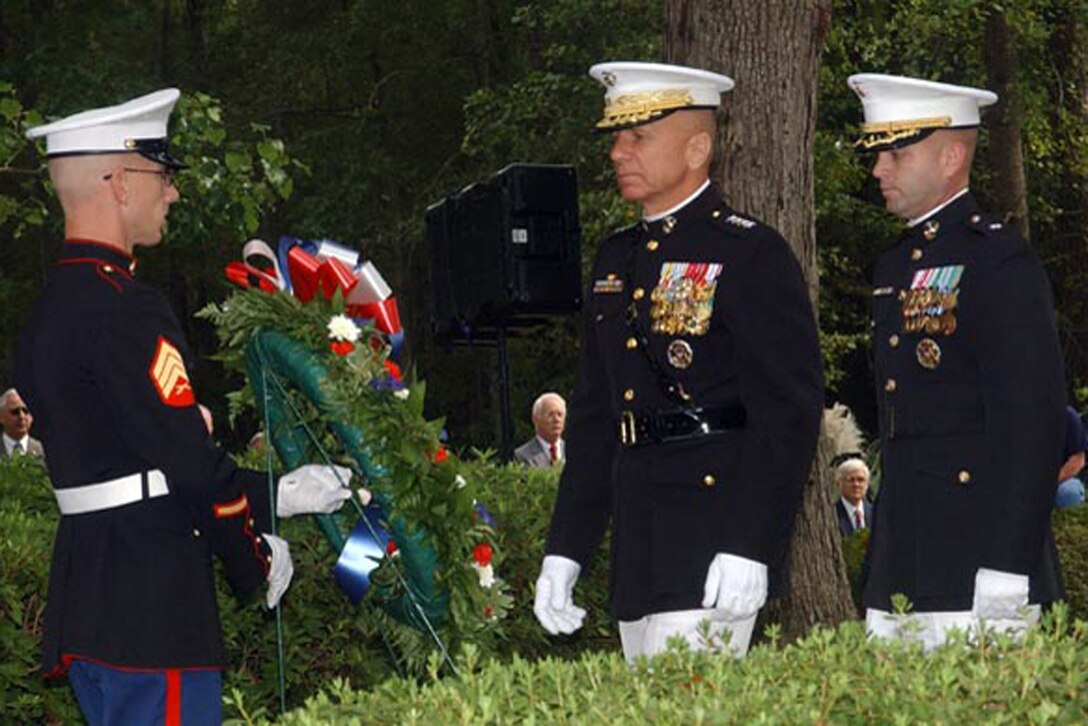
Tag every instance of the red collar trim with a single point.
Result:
(105, 245)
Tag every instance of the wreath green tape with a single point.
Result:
(277, 364)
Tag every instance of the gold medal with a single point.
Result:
(680, 354)
(933, 324)
(928, 353)
(948, 323)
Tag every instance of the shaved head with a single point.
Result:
(112, 198)
(702, 120)
(78, 177)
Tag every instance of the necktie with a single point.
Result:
(554, 448)
(857, 518)
(18, 448)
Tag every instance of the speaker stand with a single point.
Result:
(504, 396)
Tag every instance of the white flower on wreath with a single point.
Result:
(460, 482)
(341, 327)
(402, 393)
(486, 574)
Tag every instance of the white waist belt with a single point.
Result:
(113, 493)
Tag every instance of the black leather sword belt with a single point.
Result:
(640, 429)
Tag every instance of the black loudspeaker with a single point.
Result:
(506, 251)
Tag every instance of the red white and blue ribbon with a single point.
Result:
(305, 268)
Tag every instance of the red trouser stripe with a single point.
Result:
(173, 698)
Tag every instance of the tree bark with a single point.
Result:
(1006, 148)
(772, 49)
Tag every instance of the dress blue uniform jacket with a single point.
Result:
(130, 586)
(971, 398)
(673, 506)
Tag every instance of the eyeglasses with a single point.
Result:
(19, 411)
(167, 175)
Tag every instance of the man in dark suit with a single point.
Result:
(970, 382)
(546, 448)
(699, 391)
(16, 420)
(853, 508)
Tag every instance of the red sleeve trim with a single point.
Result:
(231, 509)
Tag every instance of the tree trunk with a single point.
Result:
(772, 49)
(1006, 149)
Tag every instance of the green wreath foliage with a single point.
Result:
(340, 410)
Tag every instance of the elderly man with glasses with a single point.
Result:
(16, 420)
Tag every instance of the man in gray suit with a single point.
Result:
(547, 447)
(16, 421)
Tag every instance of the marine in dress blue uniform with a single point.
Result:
(969, 377)
(146, 498)
(699, 392)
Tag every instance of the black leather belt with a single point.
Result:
(640, 429)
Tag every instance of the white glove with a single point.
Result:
(280, 571)
(999, 595)
(553, 606)
(313, 489)
(735, 586)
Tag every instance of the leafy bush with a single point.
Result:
(1071, 536)
(830, 676)
(28, 521)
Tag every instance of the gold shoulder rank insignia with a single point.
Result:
(167, 372)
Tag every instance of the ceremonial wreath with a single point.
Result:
(316, 333)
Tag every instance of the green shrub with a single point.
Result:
(853, 552)
(1071, 536)
(28, 524)
(830, 676)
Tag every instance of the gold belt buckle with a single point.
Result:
(627, 428)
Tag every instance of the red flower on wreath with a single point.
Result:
(482, 554)
(391, 547)
(488, 611)
(341, 347)
(393, 369)
(441, 455)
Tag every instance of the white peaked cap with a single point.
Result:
(138, 126)
(900, 111)
(637, 93)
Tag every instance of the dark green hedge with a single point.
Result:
(325, 639)
(829, 677)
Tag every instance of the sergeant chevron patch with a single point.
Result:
(168, 373)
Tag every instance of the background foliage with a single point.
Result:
(347, 118)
